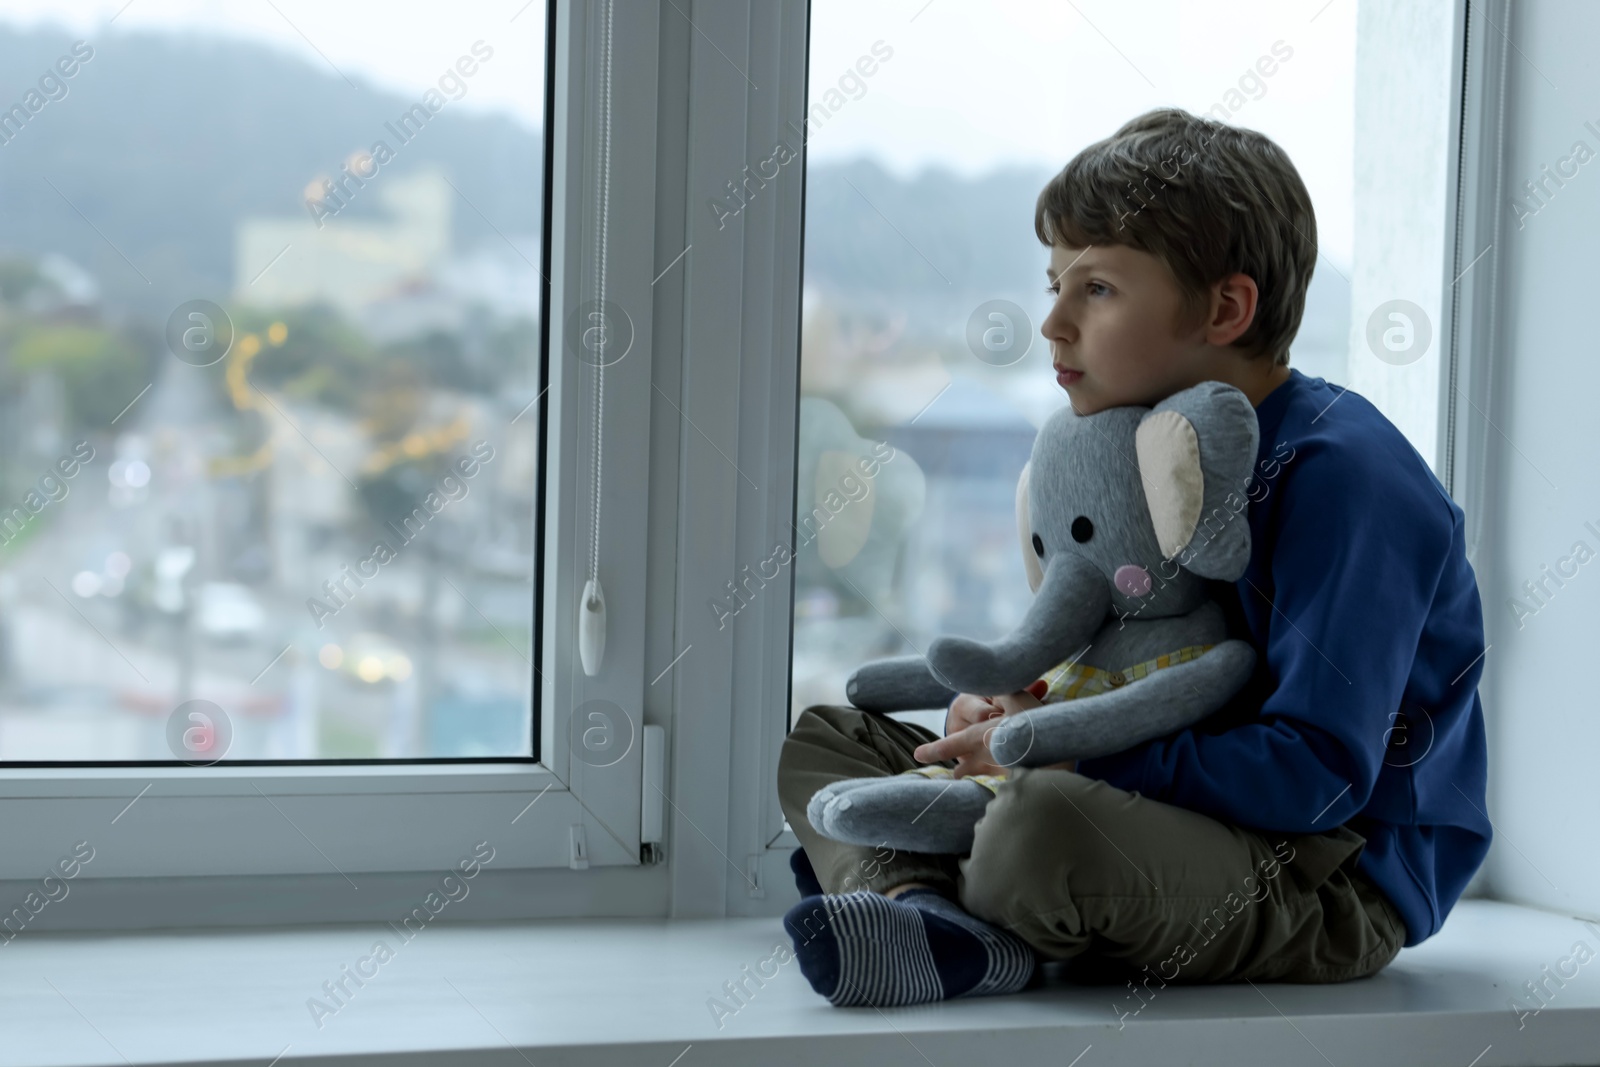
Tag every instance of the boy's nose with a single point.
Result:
(1132, 580)
(1056, 326)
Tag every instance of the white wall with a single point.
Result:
(1541, 691)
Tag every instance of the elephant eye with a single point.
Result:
(1082, 529)
(1038, 546)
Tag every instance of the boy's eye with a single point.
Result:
(1092, 288)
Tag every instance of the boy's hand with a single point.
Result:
(1024, 699)
(967, 727)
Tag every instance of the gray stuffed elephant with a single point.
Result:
(1123, 515)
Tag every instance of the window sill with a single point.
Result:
(621, 991)
(79, 780)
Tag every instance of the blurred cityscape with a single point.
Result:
(177, 530)
(216, 540)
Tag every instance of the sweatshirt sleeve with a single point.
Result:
(1356, 557)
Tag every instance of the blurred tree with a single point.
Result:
(100, 369)
(435, 358)
(18, 278)
(320, 356)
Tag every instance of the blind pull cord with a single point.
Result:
(592, 603)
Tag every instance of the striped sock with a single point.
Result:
(863, 949)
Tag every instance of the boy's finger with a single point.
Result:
(1022, 701)
(937, 751)
(961, 743)
(988, 714)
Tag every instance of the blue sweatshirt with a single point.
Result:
(1365, 615)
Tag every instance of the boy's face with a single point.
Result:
(1114, 329)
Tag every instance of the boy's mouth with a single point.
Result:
(1066, 376)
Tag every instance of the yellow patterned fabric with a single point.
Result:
(988, 781)
(1071, 680)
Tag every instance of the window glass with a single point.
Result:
(931, 128)
(269, 293)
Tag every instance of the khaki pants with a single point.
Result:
(1122, 885)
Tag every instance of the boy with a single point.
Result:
(1333, 812)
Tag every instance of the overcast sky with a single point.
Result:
(975, 85)
(972, 85)
(403, 45)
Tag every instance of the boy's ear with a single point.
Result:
(1196, 450)
(1030, 558)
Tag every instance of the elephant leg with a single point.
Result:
(910, 811)
(1158, 704)
(903, 683)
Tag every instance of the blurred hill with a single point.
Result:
(164, 141)
(935, 246)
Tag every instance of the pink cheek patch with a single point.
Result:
(1132, 580)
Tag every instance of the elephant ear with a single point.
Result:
(1196, 450)
(1030, 558)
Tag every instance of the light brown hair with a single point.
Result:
(1209, 200)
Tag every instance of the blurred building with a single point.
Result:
(963, 571)
(348, 261)
(395, 279)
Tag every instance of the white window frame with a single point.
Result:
(746, 91)
(709, 393)
(289, 842)
(1467, 417)
(1466, 401)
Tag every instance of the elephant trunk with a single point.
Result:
(1068, 609)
